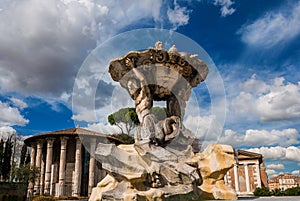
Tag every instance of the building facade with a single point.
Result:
(284, 181)
(247, 174)
(65, 162)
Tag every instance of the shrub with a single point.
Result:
(50, 198)
(68, 198)
(7, 197)
(263, 191)
(43, 198)
(277, 192)
(292, 191)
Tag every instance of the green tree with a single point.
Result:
(127, 117)
(25, 173)
(159, 112)
(6, 165)
(23, 155)
(1, 155)
(124, 138)
(27, 160)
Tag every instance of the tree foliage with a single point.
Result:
(292, 191)
(127, 119)
(27, 159)
(159, 112)
(9, 170)
(6, 164)
(23, 155)
(1, 155)
(124, 138)
(264, 191)
(277, 192)
(24, 173)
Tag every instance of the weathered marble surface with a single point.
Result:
(149, 172)
(213, 164)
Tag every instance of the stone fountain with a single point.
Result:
(164, 163)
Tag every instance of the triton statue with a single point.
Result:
(159, 75)
(164, 162)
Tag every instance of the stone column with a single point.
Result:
(247, 178)
(258, 178)
(38, 166)
(62, 165)
(32, 154)
(32, 164)
(52, 180)
(236, 178)
(226, 179)
(42, 182)
(77, 173)
(50, 142)
(92, 165)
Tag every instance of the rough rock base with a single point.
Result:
(146, 172)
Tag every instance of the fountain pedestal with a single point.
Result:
(165, 162)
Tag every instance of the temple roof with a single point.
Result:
(71, 132)
(244, 155)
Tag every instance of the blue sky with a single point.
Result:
(46, 46)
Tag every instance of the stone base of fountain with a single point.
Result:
(147, 172)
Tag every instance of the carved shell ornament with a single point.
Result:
(190, 67)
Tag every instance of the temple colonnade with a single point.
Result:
(64, 162)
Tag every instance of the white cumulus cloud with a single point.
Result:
(88, 116)
(275, 27)
(103, 128)
(296, 172)
(11, 116)
(291, 153)
(254, 138)
(284, 137)
(6, 131)
(232, 138)
(277, 166)
(225, 5)
(178, 16)
(43, 43)
(18, 103)
(270, 172)
(279, 100)
(209, 130)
